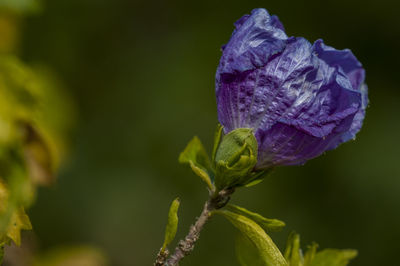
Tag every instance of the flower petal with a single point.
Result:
(343, 58)
(256, 38)
(283, 144)
(300, 99)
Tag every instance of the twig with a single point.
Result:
(162, 256)
(186, 245)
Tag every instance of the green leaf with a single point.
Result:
(310, 254)
(22, 6)
(19, 221)
(196, 156)
(246, 253)
(172, 225)
(268, 251)
(334, 257)
(327, 257)
(253, 183)
(293, 253)
(2, 252)
(266, 223)
(36, 113)
(217, 140)
(13, 198)
(71, 255)
(257, 177)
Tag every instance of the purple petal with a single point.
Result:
(344, 59)
(286, 145)
(252, 43)
(358, 118)
(277, 23)
(300, 99)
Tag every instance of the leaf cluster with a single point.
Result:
(231, 166)
(33, 120)
(21, 6)
(233, 158)
(254, 247)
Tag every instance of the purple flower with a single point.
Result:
(301, 99)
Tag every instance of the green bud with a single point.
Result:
(235, 158)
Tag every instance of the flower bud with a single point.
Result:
(235, 158)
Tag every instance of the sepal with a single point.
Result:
(217, 140)
(235, 158)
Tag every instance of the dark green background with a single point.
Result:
(142, 75)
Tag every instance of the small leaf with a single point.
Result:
(196, 156)
(268, 251)
(13, 218)
(333, 257)
(310, 254)
(2, 252)
(37, 156)
(265, 223)
(27, 6)
(71, 255)
(19, 221)
(253, 183)
(202, 174)
(172, 225)
(217, 140)
(293, 253)
(257, 177)
(246, 253)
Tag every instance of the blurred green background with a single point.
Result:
(142, 76)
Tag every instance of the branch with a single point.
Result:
(186, 245)
(161, 257)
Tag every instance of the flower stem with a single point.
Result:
(185, 246)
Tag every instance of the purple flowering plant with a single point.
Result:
(281, 101)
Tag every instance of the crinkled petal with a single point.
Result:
(353, 69)
(255, 39)
(314, 108)
(327, 104)
(283, 144)
(300, 99)
(358, 118)
(285, 85)
(277, 23)
(345, 59)
(258, 97)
